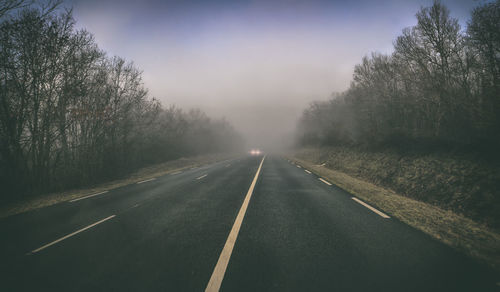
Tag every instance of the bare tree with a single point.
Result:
(7, 6)
(68, 111)
(484, 39)
(439, 86)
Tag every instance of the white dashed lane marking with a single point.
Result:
(381, 214)
(71, 234)
(326, 182)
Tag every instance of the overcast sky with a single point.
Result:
(257, 63)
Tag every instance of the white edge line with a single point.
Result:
(141, 182)
(177, 172)
(299, 166)
(221, 266)
(326, 182)
(69, 235)
(89, 196)
(307, 171)
(381, 214)
(202, 176)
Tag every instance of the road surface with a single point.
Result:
(247, 224)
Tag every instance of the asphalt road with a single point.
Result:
(298, 234)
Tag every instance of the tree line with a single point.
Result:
(440, 86)
(70, 115)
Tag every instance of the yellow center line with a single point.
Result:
(221, 266)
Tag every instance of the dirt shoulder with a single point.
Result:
(455, 230)
(141, 174)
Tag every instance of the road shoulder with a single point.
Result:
(448, 227)
(143, 174)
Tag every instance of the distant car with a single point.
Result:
(255, 152)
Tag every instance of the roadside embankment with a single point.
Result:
(145, 173)
(451, 199)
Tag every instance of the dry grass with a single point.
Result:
(142, 174)
(457, 182)
(453, 229)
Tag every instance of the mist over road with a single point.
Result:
(297, 233)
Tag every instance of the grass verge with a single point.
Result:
(139, 175)
(457, 231)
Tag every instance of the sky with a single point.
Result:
(256, 63)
